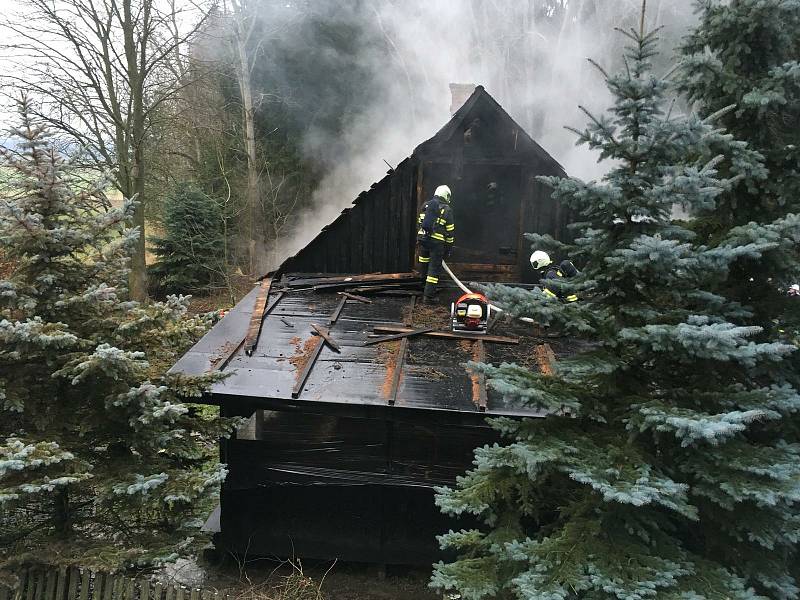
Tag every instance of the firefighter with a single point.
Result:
(435, 237)
(540, 261)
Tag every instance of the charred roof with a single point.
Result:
(292, 366)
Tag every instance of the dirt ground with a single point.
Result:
(273, 580)
(222, 299)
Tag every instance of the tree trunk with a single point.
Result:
(137, 280)
(62, 515)
(135, 58)
(248, 120)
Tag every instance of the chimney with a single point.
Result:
(459, 92)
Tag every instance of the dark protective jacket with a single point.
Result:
(436, 222)
(565, 270)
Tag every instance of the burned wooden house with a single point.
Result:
(351, 425)
(490, 164)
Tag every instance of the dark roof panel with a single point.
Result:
(433, 377)
(459, 120)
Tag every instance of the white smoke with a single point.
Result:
(530, 55)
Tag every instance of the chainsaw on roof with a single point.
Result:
(470, 313)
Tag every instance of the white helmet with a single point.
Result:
(443, 192)
(540, 259)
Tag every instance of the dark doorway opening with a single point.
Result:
(487, 210)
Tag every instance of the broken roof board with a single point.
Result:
(356, 381)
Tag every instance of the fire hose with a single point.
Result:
(466, 290)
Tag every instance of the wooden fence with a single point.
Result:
(84, 584)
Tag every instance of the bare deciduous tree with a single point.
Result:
(243, 24)
(98, 70)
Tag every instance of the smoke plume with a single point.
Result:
(529, 54)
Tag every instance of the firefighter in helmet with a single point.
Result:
(435, 238)
(540, 261)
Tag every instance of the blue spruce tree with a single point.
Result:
(191, 252)
(745, 55)
(98, 456)
(658, 473)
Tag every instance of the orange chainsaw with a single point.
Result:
(470, 313)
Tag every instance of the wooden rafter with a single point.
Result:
(479, 393)
(497, 339)
(545, 359)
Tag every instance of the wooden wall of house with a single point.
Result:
(376, 234)
(326, 487)
(542, 214)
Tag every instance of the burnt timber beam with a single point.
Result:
(222, 361)
(398, 336)
(338, 311)
(398, 371)
(303, 376)
(219, 362)
(400, 362)
(354, 297)
(260, 311)
(351, 280)
(546, 359)
(325, 334)
(312, 359)
(497, 339)
(479, 394)
(397, 288)
(256, 317)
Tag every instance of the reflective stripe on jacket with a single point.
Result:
(553, 292)
(440, 216)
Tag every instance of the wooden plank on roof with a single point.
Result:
(338, 311)
(397, 363)
(407, 288)
(479, 394)
(302, 377)
(325, 334)
(398, 370)
(497, 339)
(350, 296)
(397, 336)
(257, 317)
(546, 359)
(352, 279)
